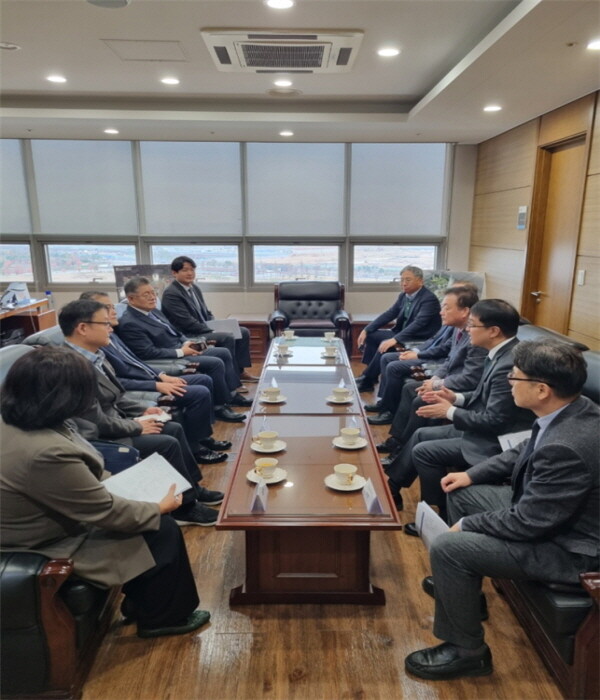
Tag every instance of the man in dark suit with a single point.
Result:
(543, 527)
(417, 317)
(183, 304)
(115, 417)
(477, 417)
(191, 394)
(150, 336)
(450, 345)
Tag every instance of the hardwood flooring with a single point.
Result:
(309, 652)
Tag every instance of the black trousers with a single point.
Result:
(165, 594)
(239, 349)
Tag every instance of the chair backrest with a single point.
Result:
(8, 356)
(591, 388)
(49, 336)
(309, 299)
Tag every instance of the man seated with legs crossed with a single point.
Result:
(191, 394)
(150, 336)
(115, 417)
(183, 304)
(543, 527)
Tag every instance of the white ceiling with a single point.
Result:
(456, 56)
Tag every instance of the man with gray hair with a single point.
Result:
(416, 313)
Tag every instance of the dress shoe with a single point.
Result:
(390, 461)
(388, 445)
(373, 407)
(247, 377)
(428, 586)
(195, 620)
(397, 498)
(229, 416)
(410, 529)
(242, 389)
(239, 400)
(217, 445)
(195, 513)
(206, 456)
(364, 384)
(384, 418)
(445, 662)
(208, 497)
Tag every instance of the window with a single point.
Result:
(15, 263)
(87, 263)
(295, 189)
(192, 188)
(279, 263)
(85, 187)
(382, 263)
(14, 207)
(214, 263)
(397, 189)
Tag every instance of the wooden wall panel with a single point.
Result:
(503, 271)
(495, 219)
(567, 121)
(585, 320)
(594, 166)
(507, 161)
(589, 238)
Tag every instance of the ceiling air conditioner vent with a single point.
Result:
(260, 51)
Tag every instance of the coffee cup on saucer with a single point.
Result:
(345, 473)
(329, 335)
(282, 349)
(267, 439)
(266, 467)
(272, 393)
(341, 393)
(288, 335)
(349, 435)
(330, 351)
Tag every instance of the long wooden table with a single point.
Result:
(312, 545)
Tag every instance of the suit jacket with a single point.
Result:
(556, 492)
(181, 311)
(438, 347)
(423, 319)
(132, 376)
(147, 337)
(490, 410)
(464, 366)
(52, 501)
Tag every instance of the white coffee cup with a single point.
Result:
(349, 435)
(330, 351)
(345, 473)
(288, 334)
(282, 348)
(271, 393)
(265, 467)
(341, 393)
(329, 335)
(267, 438)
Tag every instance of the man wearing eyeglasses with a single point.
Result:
(477, 417)
(543, 527)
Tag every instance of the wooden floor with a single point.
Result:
(309, 652)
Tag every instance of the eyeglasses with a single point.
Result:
(146, 295)
(475, 325)
(511, 378)
(110, 307)
(108, 324)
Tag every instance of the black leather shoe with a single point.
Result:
(444, 662)
(410, 529)
(208, 497)
(217, 445)
(206, 456)
(239, 400)
(363, 384)
(388, 445)
(373, 407)
(392, 460)
(195, 620)
(428, 586)
(384, 418)
(229, 416)
(398, 502)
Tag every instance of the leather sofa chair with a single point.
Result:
(310, 308)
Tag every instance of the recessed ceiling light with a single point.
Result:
(56, 79)
(7, 46)
(170, 81)
(492, 108)
(280, 4)
(111, 131)
(286, 133)
(388, 51)
(283, 83)
(594, 45)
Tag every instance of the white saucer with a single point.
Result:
(285, 354)
(281, 399)
(359, 444)
(277, 447)
(357, 483)
(332, 399)
(287, 340)
(278, 475)
(329, 357)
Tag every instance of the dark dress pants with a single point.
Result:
(165, 594)
(459, 560)
(406, 421)
(239, 349)
(196, 407)
(218, 365)
(371, 357)
(394, 373)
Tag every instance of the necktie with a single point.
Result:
(164, 323)
(195, 303)
(520, 466)
(130, 357)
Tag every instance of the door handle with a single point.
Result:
(537, 296)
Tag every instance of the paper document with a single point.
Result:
(510, 440)
(161, 417)
(148, 480)
(429, 524)
(226, 325)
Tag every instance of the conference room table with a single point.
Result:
(311, 544)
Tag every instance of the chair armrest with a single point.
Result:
(278, 320)
(341, 318)
(591, 584)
